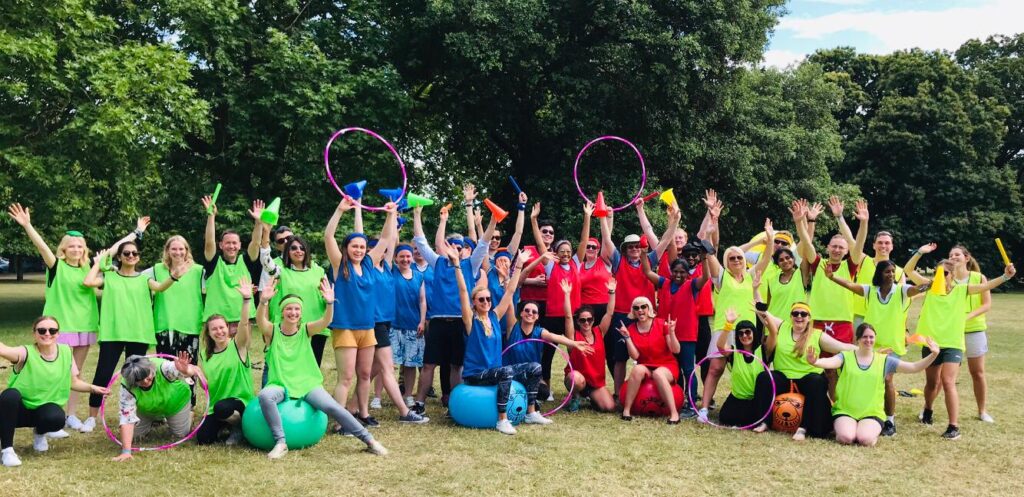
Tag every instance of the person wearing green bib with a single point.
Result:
(67, 297)
(178, 312)
(44, 374)
(228, 370)
(739, 408)
(942, 318)
(882, 245)
(733, 288)
(293, 370)
(153, 390)
(886, 311)
(225, 263)
(967, 271)
(785, 286)
(126, 320)
(860, 393)
(796, 335)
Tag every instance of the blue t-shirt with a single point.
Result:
(384, 295)
(353, 298)
(524, 352)
(482, 352)
(428, 281)
(407, 299)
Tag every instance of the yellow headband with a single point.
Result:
(800, 305)
(782, 235)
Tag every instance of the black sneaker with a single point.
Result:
(925, 416)
(889, 429)
(952, 432)
(687, 413)
(432, 393)
(369, 422)
(419, 408)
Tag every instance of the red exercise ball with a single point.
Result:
(648, 402)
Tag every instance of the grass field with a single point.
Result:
(584, 453)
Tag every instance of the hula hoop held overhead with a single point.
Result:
(643, 169)
(767, 414)
(567, 361)
(330, 175)
(110, 433)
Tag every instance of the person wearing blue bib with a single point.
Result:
(406, 334)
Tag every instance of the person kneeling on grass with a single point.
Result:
(589, 374)
(482, 362)
(739, 408)
(151, 389)
(43, 377)
(860, 393)
(294, 371)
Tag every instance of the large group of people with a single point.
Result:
(831, 325)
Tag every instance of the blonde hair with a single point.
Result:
(642, 300)
(800, 345)
(167, 251)
(64, 241)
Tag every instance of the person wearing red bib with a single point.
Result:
(589, 375)
(652, 343)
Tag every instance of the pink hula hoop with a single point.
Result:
(643, 169)
(696, 367)
(330, 176)
(103, 406)
(567, 361)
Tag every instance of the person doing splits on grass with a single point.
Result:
(651, 342)
(860, 392)
(153, 390)
(482, 361)
(43, 376)
(293, 369)
(228, 370)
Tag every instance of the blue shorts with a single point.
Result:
(406, 347)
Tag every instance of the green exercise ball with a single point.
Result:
(303, 425)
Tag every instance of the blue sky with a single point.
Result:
(883, 26)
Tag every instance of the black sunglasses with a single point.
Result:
(47, 331)
(548, 231)
(296, 247)
(745, 332)
(530, 311)
(800, 314)
(586, 320)
(736, 258)
(591, 247)
(483, 299)
(640, 307)
(281, 240)
(129, 253)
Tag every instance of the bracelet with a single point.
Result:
(1005, 278)
(173, 278)
(246, 299)
(126, 451)
(611, 292)
(521, 206)
(729, 326)
(138, 235)
(812, 219)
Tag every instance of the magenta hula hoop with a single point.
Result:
(567, 361)
(696, 367)
(643, 169)
(330, 175)
(103, 406)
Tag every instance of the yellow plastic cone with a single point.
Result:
(939, 283)
(668, 197)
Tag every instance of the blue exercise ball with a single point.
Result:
(303, 425)
(477, 406)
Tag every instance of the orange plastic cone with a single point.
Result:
(496, 211)
(601, 209)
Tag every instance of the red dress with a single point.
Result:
(592, 366)
(653, 348)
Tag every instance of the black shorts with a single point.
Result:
(614, 345)
(873, 418)
(445, 341)
(382, 332)
(945, 355)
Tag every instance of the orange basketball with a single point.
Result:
(788, 410)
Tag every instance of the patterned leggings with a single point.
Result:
(527, 373)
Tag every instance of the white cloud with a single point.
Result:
(781, 58)
(842, 2)
(930, 30)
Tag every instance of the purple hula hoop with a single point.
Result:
(643, 169)
(565, 354)
(103, 406)
(330, 176)
(696, 367)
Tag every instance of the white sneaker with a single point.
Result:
(702, 415)
(536, 418)
(279, 450)
(409, 402)
(375, 403)
(57, 434)
(10, 459)
(39, 443)
(73, 423)
(235, 437)
(551, 398)
(986, 417)
(505, 426)
(375, 448)
(88, 425)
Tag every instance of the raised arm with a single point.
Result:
(714, 208)
(161, 286)
(327, 292)
(986, 303)
(581, 249)
(730, 325)
(22, 217)
(357, 218)
(257, 230)
(645, 224)
(330, 241)
(607, 246)
(769, 236)
(910, 270)
(440, 243)
(464, 303)
(517, 235)
(829, 344)
(570, 323)
(210, 234)
(645, 265)
(510, 286)
(269, 266)
(244, 333)
(606, 320)
(537, 238)
(262, 312)
(860, 212)
(803, 247)
(469, 196)
(376, 254)
(991, 284)
(837, 207)
(670, 228)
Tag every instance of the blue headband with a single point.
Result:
(456, 241)
(402, 247)
(353, 236)
(503, 253)
(470, 244)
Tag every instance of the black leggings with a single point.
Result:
(703, 342)
(215, 422)
(817, 417)
(554, 325)
(740, 412)
(110, 355)
(13, 414)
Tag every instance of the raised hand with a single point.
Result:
(670, 326)
(183, 364)
(390, 207)
(523, 198)
(566, 286)
(20, 215)
(326, 291)
(731, 315)
(811, 356)
(522, 258)
(860, 211)
(716, 210)
(142, 223)
(207, 200)
(928, 248)
(798, 209)
(835, 205)
(1009, 271)
(710, 198)
(346, 204)
(588, 209)
(535, 211)
(269, 291)
(244, 288)
(469, 192)
(769, 232)
(102, 254)
(814, 211)
(623, 331)
(257, 209)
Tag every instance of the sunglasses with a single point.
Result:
(736, 258)
(744, 333)
(641, 307)
(129, 253)
(586, 320)
(591, 247)
(483, 299)
(47, 331)
(293, 248)
(632, 246)
(548, 231)
(530, 311)
(496, 237)
(279, 241)
(782, 242)
(800, 314)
